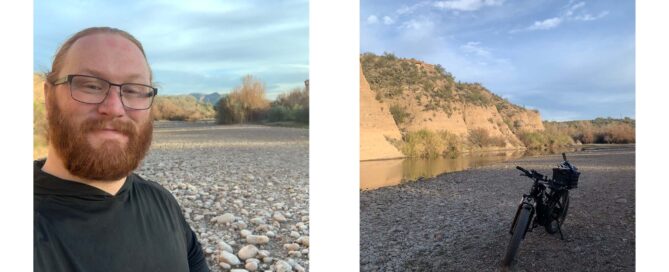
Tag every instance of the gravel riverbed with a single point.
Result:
(460, 221)
(243, 190)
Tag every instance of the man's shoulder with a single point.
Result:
(145, 186)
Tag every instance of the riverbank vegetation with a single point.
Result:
(431, 144)
(248, 104)
(597, 131)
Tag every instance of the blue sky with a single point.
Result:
(193, 46)
(571, 60)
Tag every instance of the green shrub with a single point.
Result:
(428, 144)
(399, 114)
(280, 113)
(549, 138)
(479, 137)
(292, 106)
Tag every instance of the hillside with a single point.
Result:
(376, 125)
(425, 97)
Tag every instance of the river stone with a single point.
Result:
(229, 258)
(247, 252)
(295, 254)
(251, 266)
(278, 216)
(263, 253)
(245, 233)
(267, 259)
(294, 234)
(282, 266)
(257, 220)
(257, 239)
(291, 247)
(224, 219)
(304, 240)
(270, 233)
(225, 266)
(238, 270)
(298, 268)
(224, 246)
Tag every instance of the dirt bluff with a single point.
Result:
(425, 96)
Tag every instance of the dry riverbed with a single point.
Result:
(243, 190)
(460, 221)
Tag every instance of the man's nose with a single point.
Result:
(112, 104)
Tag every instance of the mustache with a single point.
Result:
(123, 127)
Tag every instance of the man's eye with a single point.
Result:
(93, 86)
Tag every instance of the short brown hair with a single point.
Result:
(59, 58)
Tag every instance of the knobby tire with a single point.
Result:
(517, 236)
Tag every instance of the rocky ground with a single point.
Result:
(460, 221)
(243, 189)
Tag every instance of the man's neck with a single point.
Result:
(55, 166)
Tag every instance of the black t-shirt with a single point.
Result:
(78, 227)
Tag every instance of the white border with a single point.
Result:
(334, 135)
(16, 111)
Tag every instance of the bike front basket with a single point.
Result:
(566, 177)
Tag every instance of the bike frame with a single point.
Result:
(537, 202)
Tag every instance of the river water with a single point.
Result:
(381, 173)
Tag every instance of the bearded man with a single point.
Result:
(91, 212)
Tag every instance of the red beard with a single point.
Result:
(109, 161)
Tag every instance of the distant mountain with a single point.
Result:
(211, 98)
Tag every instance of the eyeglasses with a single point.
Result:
(94, 90)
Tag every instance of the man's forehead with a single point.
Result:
(103, 53)
(107, 41)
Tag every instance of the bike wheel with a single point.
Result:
(558, 212)
(518, 233)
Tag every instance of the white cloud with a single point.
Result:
(387, 20)
(466, 5)
(573, 8)
(410, 9)
(476, 48)
(575, 12)
(414, 24)
(546, 24)
(588, 17)
(372, 19)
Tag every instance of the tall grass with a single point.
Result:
(180, 108)
(428, 144)
(479, 137)
(598, 131)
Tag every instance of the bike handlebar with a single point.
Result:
(523, 170)
(532, 174)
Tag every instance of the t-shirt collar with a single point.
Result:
(48, 184)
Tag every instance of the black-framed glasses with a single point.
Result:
(94, 90)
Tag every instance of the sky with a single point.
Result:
(571, 60)
(193, 46)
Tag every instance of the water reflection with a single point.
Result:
(377, 174)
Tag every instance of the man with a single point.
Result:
(91, 212)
